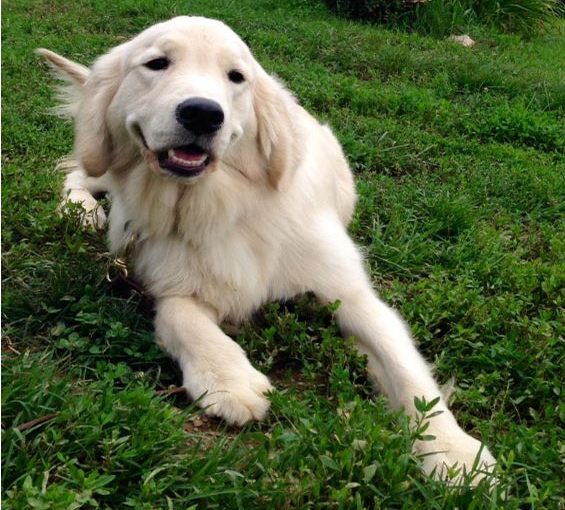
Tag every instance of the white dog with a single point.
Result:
(237, 197)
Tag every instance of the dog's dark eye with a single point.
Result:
(236, 76)
(158, 64)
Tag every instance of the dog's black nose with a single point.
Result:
(200, 116)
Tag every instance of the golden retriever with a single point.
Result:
(237, 197)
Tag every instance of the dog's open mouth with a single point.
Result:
(187, 161)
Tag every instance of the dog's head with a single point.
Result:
(184, 95)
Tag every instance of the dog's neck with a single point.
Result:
(197, 212)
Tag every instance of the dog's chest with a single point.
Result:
(218, 242)
(232, 273)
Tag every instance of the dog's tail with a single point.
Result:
(78, 187)
(72, 77)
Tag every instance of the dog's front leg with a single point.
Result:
(215, 368)
(401, 373)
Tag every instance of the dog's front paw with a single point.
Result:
(94, 214)
(451, 457)
(236, 394)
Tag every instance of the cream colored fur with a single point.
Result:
(267, 220)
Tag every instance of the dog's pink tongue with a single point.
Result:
(186, 158)
(186, 155)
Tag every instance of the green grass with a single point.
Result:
(459, 161)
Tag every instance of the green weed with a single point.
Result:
(445, 17)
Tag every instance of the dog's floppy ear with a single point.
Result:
(277, 139)
(93, 143)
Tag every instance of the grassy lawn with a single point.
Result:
(459, 161)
